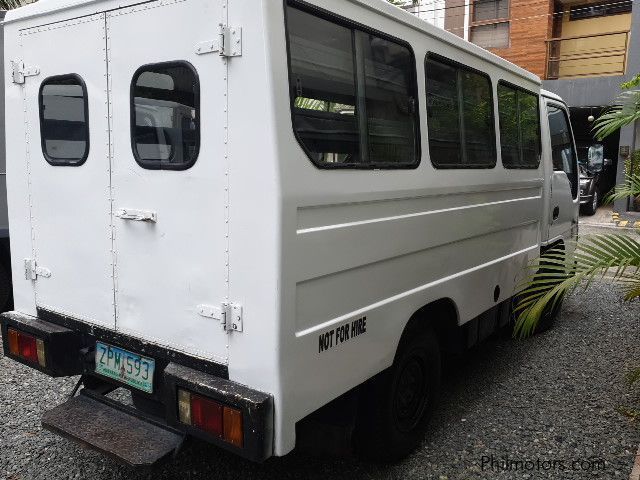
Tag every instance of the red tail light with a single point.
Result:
(206, 415)
(27, 347)
(211, 416)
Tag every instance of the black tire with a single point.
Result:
(549, 317)
(592, 206)
(396, 405)
(550, 313)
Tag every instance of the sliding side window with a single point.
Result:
(352, 94)
(519, 127)
(459, 116)
(165, 116)
(64, 123)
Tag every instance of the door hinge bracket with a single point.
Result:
(20, 71)
(228, 314)
(230, 41)
(32, 271)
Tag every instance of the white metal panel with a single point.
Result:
(71, 208)
(168, 268)
(18, 200)
(382, 244)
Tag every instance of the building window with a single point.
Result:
(353, 94)
(519, 127)
(484, 10)
(492, 35)
(459, 116)
(580, 12)
(165, 118)
(64, 120)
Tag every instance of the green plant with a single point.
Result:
(11, 4)
(561, 270)
(624, 111)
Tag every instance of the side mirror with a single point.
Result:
(595, 158)
(608, 162)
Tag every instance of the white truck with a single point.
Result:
(243, 210)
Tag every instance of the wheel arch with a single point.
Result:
(442, 317)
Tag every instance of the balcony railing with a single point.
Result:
(587, 55)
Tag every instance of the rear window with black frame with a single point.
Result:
(520, 140)
(353, 93)
(459, 115)
(64, 120)
(165, 116)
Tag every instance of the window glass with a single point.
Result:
(494, 35)
(324, 88)
(352, 94)
(562, 146)
(388, 72)
(64, 126)
(165, 120)
(459, 116)
(490, 10)
(479, 126)
(519, 127)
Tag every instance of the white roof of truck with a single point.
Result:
(45, 7)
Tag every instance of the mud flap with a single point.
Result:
(111, 431)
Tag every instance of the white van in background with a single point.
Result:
(242, 210)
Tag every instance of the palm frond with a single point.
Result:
(11, 4)
(625, 111)
(629, 189)
(559, 272)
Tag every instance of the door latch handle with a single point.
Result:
(556, 213)
(137, 215)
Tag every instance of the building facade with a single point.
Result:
(582, 49)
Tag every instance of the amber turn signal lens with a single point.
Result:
(233, 426)
(13, 342)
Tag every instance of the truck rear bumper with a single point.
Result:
(69, 350)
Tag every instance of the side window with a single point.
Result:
(165, 116)
(64, 120)
(352, 95)
(562, 147)
(519, 127)
(459, 116)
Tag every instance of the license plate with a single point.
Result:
(124, 366)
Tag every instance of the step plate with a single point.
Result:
(108, 430)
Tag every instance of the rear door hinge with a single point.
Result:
(32, 271)
(229, 315)
(20, 71)
(228, 43)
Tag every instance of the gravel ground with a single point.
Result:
(556, 397)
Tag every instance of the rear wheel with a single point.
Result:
(395, 406)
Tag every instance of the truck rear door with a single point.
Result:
(168, 97)
(66, 114)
